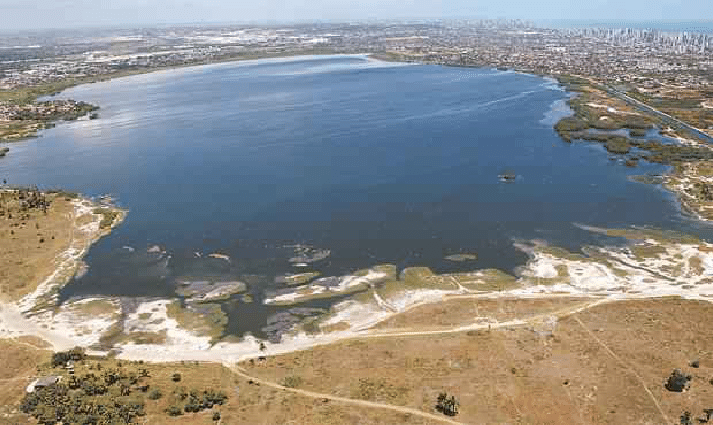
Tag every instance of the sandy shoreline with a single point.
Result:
(27, 315)
(625, 276)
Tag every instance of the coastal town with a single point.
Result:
(671, 71)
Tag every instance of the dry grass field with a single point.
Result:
(30, 244)
(19, 359)
(247, 403)
(606, 365)
(460, 311)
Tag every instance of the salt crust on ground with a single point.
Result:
(684, 270)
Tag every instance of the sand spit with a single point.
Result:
(87, 230)
(326, 287)
(72, 323)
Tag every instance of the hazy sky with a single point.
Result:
(30, 14)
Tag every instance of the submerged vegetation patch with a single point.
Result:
(203, 320)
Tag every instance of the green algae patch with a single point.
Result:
(562, 271)
(646, 179)
(96, 307)
(696, 265)
(416, 276)
(108, 216)
(488, 280)
(643, 251)
(111, 336)
(208, 291)
(301, 278)
(560, 253)
(389, 270)
(204, 320)
(619, 272)
(462, 257)
(661, 236)
(618, 146)
(145, 337)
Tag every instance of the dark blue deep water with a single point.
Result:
(376, 162)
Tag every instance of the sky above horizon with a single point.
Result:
(41, 14)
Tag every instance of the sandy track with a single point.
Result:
(489, 325)
(356, 402)
(406, 410)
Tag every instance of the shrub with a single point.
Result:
(174, 411)
(571, 124)
(291, 381)
(618, 145)
(155, 394)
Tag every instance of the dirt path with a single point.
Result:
(440, 418)
(626, 366)
(356, 402)
(489, 325)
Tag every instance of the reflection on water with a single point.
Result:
(374, 162)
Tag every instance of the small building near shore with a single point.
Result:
(42, 382)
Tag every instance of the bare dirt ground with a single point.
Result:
(604, 365)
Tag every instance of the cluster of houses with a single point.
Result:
(42, 110)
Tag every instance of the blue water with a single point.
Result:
(376, 162)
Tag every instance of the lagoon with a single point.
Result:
(372, 162)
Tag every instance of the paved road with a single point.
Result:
(666, 117)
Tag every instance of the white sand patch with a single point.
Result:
(358, 315)
(152, 316)
(610, 109)
(666, 275)
(66, 328)
(219, 256)
(543, 267)
(82, 328)
(326, 286)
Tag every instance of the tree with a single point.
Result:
(447, 406)
(155, 394)
(176, 377)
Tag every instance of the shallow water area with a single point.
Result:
(228, 168)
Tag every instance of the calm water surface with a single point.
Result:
(376, 162)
